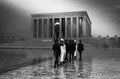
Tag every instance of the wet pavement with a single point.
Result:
(98, 66)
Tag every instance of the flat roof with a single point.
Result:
(72, 13)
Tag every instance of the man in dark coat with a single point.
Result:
(80, 49)
(71, 50)
(56, 49)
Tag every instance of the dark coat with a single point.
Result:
(67, 47)
(80, 47)
(72, 47)
(56, 49)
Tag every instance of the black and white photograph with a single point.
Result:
(59, 39)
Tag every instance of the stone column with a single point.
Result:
(42, 28)
(84, 26)
(47, 28)
(60, 28)
(80, 26)
(71, 27)
(37, 28)
(53, 28)
(65, 27)
(32, 27)
(77, 27)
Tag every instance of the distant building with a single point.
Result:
(61, 25)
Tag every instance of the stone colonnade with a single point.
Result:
(69, 27)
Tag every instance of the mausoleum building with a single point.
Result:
(68, 25)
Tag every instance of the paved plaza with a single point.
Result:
(97, 63)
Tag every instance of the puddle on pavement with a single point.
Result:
(105, 68)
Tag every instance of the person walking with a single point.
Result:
(75, 52)
(56, 50)
(63, 51)
(80, 49)
(73, 49)
(70, 50)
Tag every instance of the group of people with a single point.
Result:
(66, 50)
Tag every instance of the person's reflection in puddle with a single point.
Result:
(74, 70)
(56, 73)
(59, 73)
(83, 69)
(76, 64)
(79, 69)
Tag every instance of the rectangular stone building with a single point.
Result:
(61, 25)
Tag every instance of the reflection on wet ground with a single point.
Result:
(94, 65)
(45, 70)
(85, 69)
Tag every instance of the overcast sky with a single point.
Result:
(104, 14)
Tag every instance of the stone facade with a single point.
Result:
(61, 25)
